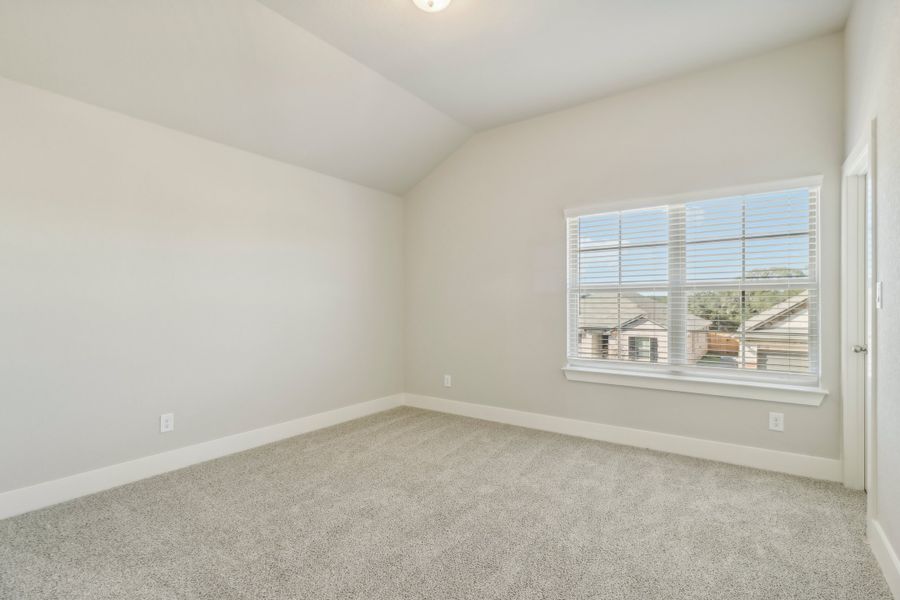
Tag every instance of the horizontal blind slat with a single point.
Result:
(722, 283)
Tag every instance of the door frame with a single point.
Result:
(857, 391)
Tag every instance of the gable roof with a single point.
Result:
(770, 319)
(607, 313)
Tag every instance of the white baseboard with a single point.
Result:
(886, 556)
(30, 498)
(815, 467)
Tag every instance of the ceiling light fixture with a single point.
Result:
(432, 5)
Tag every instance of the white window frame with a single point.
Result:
(792, 389)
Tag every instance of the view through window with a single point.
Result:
(727, 283)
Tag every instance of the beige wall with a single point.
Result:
(486, 237)
(868, 34)
(145, 271)
(873, 75)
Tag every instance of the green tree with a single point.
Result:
(726, 309)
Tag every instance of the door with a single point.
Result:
(858, 299)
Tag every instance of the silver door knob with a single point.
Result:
(860, 349)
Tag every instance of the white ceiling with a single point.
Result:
(232, 71)
(489, 62)
(362, 89)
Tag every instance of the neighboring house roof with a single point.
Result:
(790, 316)
(605, 313)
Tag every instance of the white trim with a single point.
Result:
(677, 300)
(707, 386)
(38, 496)
(30, 498)
(870, 425)
(803, 465)
(885, 554)
(741, 190)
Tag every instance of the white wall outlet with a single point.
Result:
(166, 423)
(776, 421)
(879, 295)
(448, 381)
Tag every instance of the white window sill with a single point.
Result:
(767, 391)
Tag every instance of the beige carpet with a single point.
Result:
(415, 504)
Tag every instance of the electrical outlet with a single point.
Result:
(166, 423)
(879, 295)
(776, 421)
(448, 381)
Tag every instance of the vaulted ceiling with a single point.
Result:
(490, 62)
(376, 91)
(232, 71)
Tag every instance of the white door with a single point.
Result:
(858, 297)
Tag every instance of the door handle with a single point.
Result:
(860, 349)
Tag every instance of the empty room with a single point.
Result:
(449, 299)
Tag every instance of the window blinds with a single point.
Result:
(727, 284)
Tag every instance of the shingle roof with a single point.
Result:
(610, 311)
(771, 318)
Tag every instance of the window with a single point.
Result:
(643, 349)
(724, 286)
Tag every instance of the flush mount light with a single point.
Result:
(432, 5)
